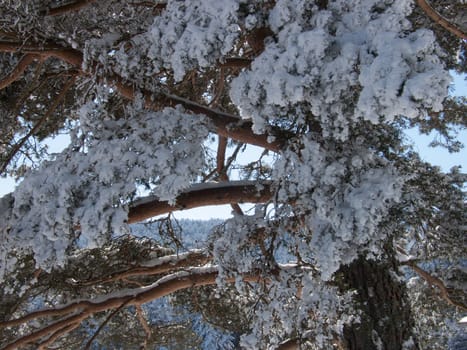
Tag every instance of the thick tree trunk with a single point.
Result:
(386, 320)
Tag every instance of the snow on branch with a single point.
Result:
(206, 194)
(81, 310)
(224, 124)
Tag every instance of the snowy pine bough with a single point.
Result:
(351, 237)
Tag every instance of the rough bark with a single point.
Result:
(386, 320)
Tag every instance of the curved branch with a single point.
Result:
(195, 277)
(435, 16)
(56, 335)
(202, 195)
(224, 124)
(18, 71)
(70, 56)
(434, 281)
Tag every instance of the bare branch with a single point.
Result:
(430, 12)
(102, 325)
(144, 323)
(236, 62)
(70, 56)
(221, 149)
(434, 281)
(55, 328)
(59, 333)
(205, 194)
(18, 71)
(222, 168)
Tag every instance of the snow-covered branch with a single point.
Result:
(79, 311)
(224, 124)
(203, 195)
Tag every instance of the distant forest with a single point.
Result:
(193, 233)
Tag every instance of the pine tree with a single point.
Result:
(353, 242)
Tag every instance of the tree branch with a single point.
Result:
(236, 62)
(18, 71)
(162, 265)
(202, 195)
(70, 56)
(435, 16)
(434, 281)
(144, 323)
(59, 333)
(222, 168)
(41, 121)
(102, 325)
(195, 277)
(291, 344)
(222, 123)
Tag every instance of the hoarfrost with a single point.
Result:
(342, 64)
(183, 37)
(84, 192)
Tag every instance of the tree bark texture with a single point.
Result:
(386, 320)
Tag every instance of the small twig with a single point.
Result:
(435, 16)
(59, 333)
(219, 90)
(36, 127)
(112, 314)
(144, 324)
(222, 168)
(236, 62)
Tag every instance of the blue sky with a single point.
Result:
(437, 156)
